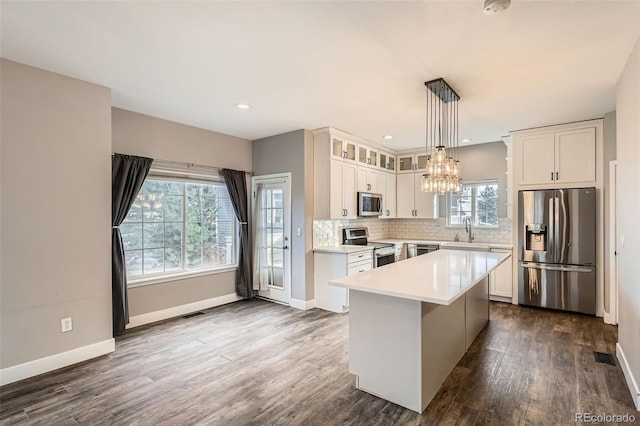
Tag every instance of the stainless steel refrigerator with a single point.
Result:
(557, 249)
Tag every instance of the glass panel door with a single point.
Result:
(406, 163)
(350, 149)
(362, 155)
(383, 160)
(272, 265)
(336, 148)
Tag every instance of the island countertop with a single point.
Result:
(439, 277)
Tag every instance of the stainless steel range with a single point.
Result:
(383, 253)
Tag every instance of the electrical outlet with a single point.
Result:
(66, 324)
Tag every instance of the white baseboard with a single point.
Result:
(628, 375)
(176, 311)
(305, 305)
(53, 362)
(500, 299)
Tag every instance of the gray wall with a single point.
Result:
(482, 162)
(287, 153)
(55, 213)
(609, 145)
(139, 134)
(628, 206)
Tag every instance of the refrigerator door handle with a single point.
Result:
(561, 268)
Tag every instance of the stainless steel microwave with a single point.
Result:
(369, 204)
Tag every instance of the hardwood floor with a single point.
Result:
(260, 363)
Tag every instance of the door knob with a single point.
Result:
(285, 247)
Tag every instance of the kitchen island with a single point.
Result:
(410, 322)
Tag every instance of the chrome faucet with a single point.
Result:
(467, 228)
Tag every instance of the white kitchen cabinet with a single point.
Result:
(575, 155)
(342, 190)
(368, 180)
(501, 278)
(334, 177)
(329, 266)
(343, 149)
(559, 157)
(389, 195)
(368, 156)
(409, 163)
(411, 201)
(387, 162)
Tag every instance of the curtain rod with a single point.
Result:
(190, 165)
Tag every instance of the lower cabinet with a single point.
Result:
(501, 278)
(331, 265)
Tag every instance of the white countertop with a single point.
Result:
(439, 277)
(443, 244)
(342, 249)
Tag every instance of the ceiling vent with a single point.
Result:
(495, 6)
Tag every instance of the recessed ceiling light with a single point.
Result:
(243, 106)
(465, 140)
(387, 137)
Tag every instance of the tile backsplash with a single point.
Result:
(436, 229)
(329, 232)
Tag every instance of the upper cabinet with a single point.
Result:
(388, 195)
(342, 190)
(368, 156)
(368, 180)
(567, 156)
(343, 149)
(408, 163)
(335, 176)
(411, 202)
(387, 162)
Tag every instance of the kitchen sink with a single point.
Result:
(459, 245)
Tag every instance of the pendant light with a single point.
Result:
(443, 167)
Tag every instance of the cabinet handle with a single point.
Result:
(361, 255)
(556, 175)
(551, 175)
(361, 270)
(368, 160)
(346, 212)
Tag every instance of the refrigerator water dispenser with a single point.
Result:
(536, 237)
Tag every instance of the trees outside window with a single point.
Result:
(476, 200)
(176, 226)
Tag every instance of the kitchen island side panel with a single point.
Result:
(443, 344)
(385, 347)
(477, 310)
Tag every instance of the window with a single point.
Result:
(178, 226)
(476, 200)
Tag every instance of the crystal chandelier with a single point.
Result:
(443, 167)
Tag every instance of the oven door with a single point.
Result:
(383, 257)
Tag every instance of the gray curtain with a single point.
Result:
(237, 187)
(127, 176)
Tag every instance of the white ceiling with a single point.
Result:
(359, 66)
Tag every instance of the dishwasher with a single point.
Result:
(414, 250)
